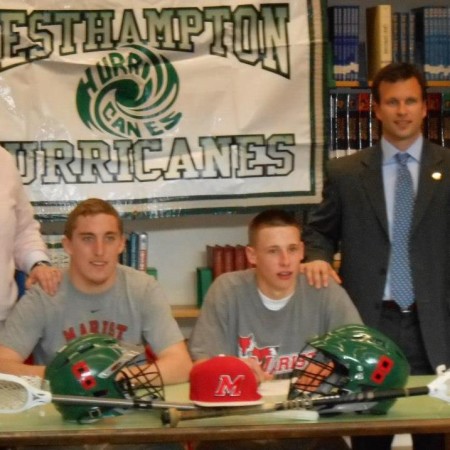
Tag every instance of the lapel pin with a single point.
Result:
(436, 175)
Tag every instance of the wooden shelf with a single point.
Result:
(340, 84)
(356, 84)
(185, 311)
(437, 83)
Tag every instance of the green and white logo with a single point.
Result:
(129, 93)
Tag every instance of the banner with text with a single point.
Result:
(164, 107)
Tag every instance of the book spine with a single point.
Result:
(441, 44)
(353, 122)
(143, 251)
(379, 37)
(396, 33)
(346, 42)
(133, 250)
(433, 122)
(341, 125)
(343, 32)
(204, 281)
(375, 127)
(228, 258)
(403, 36)
(335, 36)
(332, 144)
(411, 38)
(425, 40)
(240, 257)
(447, 43)
(446, 118)
(364, 119)
(354, 64)
(217, 261)
(152, 271)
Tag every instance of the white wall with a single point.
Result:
(177, 247)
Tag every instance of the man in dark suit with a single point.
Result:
(356, 216)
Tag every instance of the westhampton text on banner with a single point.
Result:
(164, 108)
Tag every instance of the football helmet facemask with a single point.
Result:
(96, 365)
(350, 359)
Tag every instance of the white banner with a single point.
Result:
(164, 107)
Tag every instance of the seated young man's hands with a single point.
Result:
(260, 375)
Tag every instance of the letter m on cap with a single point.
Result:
(228, 386)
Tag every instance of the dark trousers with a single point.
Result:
(404, 330)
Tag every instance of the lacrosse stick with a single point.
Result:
(438, 388)
(19, 394)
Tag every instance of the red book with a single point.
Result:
(218, 266)
(433, 121)
(228, 258)
(240, 258)
(364, 119)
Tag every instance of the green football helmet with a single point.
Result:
(94, 365)
(350, 359)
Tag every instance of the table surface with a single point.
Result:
(44, 426)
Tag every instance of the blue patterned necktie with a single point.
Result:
(400, 268)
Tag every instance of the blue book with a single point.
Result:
(335, 18)
(133, 250)
(426, 40)
(396, 36)
(411, 38)
(343, 26)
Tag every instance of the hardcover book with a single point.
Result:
(379, 38)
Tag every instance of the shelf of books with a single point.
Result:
(365, 38)
(353, 125)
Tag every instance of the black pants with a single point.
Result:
(404, 330)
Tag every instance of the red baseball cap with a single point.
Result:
(223, 381)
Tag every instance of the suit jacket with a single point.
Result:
(353, 215)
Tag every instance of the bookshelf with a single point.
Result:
(352, 125)
(440, 39)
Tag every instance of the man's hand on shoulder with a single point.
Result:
(318, 273)
(48, 278)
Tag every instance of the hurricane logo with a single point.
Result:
(129, 93)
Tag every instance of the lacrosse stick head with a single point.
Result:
(440, 386)
(99, 366)
(350, 359)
